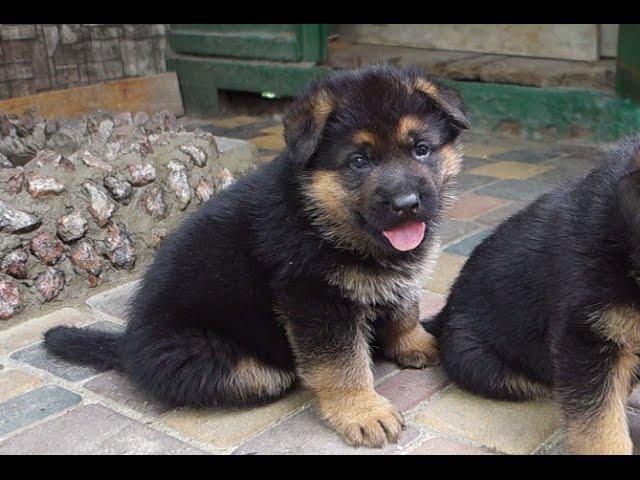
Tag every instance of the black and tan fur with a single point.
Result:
(286, 276)
(549, 304)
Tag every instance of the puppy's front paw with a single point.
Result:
(368, 419)
(416, 349)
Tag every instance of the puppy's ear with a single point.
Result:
(304, 123)
(448, 99)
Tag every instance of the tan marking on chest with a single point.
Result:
(391, 286)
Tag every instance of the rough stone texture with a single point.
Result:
(72, 227)
(85, 259)
(14, 263)
(32, 406)
(119, 247)
(204, 191)
(510, 427)
(46, 248)
(40, 57)
(197, 155)
(305, 434)
(110, 188)
(100, 205)
(227, 428)
(120, 190)
(152, 202)
(11, 179)
(49, 283)
(94, 430)
(10, 298)
(16, 221)
(140, 175)
(179, 183)
(39, 186)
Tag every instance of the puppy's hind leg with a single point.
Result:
(198, 368)
(477, 368)
(594, 380)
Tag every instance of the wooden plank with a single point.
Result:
(200, 77)
(271, 46)
(608, 40)
(564, 41)
(147, 94)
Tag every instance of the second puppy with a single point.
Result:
(550, 304)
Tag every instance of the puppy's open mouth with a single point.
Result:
(407, 236)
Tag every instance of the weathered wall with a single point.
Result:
(39, 57)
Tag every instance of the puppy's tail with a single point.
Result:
(95, 348)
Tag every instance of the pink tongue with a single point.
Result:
(407, 236)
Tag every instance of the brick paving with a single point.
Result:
(49, 406)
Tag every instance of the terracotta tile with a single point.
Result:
(510, 170)
(472, 205)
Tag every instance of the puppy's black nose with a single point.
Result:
(405, 203)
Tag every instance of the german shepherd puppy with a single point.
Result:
(550, 303)
(298, 268)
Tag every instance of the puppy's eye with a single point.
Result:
(358, 161)
(421, 151)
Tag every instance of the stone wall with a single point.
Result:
(39, 57)
(86, 202)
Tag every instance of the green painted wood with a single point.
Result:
(200, 77)
(607, 116)
(272, 46)
(277, 58)
(313, 40)
(628, 61)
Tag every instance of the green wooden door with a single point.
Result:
(276, 58)
(628, 61)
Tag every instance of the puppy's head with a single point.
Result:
(377, 150)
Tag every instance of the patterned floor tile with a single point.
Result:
(525, 190)
(445, 272)
(466, 181)
(471, 205)
(499, 215)
(451, 230)
(306, 434)
(466, 246)
(510, 170)
(269, 142)
(525, 155)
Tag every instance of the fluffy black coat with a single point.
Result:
(547, 302)
(287, 274)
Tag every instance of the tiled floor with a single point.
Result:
(49, 406)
